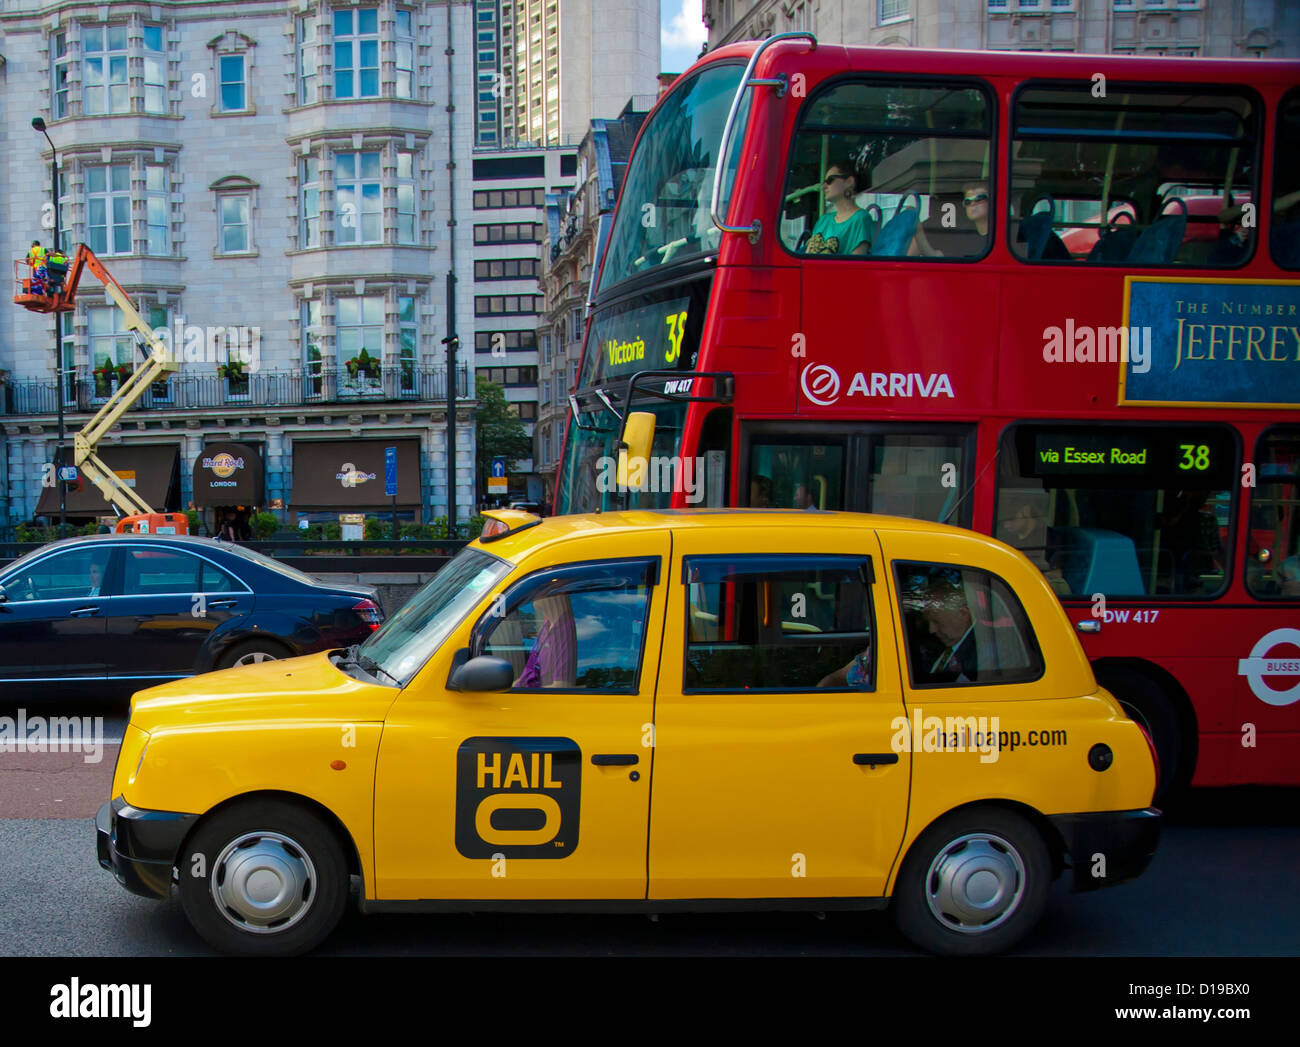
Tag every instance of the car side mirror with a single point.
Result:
(483, 675)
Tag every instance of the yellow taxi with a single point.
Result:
(649, 712)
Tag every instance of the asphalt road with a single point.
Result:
(1222, 884)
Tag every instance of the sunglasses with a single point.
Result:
(977, 198)
(831, 178)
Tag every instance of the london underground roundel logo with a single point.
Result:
(821, 384)
(1259, 666)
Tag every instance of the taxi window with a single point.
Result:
(778, 623)
(574, 628)
(964, 626)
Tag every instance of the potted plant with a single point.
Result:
(236, 377)
(123, 373)
(363, 368)
(104, 378)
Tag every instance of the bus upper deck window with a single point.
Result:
(890, 171)
(1284, 240)
(1146, 176)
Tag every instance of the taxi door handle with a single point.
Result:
(614, 759)
(222, 603)
(82, 612)
(862, 759)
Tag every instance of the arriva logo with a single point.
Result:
(821, 384)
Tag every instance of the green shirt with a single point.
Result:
(831, 236)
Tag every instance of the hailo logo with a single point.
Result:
(821, 384)
(517, 797)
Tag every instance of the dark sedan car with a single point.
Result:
(111, 614)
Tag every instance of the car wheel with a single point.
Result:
(973, 884)
(263, 878)
(250, 653)
(1146, 704)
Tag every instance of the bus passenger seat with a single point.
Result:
(898, 232)
(1159, 242)
(1115, 244)
(1095, 560)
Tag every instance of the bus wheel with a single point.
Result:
(973, 884)
(263, 878)
(1146, 704)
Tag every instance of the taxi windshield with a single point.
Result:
(664, 214)
(404, 643)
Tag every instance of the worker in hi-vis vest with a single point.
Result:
(36, 259)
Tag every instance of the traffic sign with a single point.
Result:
(390, 471)
(497, 482)
(68, 473)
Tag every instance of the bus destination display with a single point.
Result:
(648, 338)
(1167, 457)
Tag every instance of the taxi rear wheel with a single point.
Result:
(263, 878)
(973, 884)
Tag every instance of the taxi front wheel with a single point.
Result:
(973, 883)
(263, 878)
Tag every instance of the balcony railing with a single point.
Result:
(33, 396)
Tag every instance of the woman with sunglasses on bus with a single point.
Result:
(975, 203)
(847, 228)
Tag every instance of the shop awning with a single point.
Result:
(151, 469)
(228, 474)
(349, 474)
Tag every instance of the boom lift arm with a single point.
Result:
(160, 361)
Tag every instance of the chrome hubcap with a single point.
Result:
(254, 657)
(975, 883)
(263, 882)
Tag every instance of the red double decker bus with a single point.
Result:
(1052, 298)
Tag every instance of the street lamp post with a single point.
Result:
(39, 124)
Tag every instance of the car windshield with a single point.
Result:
(404, 643)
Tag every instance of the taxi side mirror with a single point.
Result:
(483, 674)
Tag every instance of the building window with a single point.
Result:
(313, 366)
(309, 205)
(546, 348)
(358, 202)
(893, 10)
(508, 233)
(233, 215)
(509, 376)
(359, 325)
(104, 87)
(405, 55)
(307, 44)
(356, 52)
(507, 304)
(155, 70)
(157, 208)
(510, 341)
(505, 269)
(493, 199)
(406, 196)
(160, 323)
(525, 409)
(59, 69)
(408, 343)
(108, 209)
(111, 348)
(233, 92)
